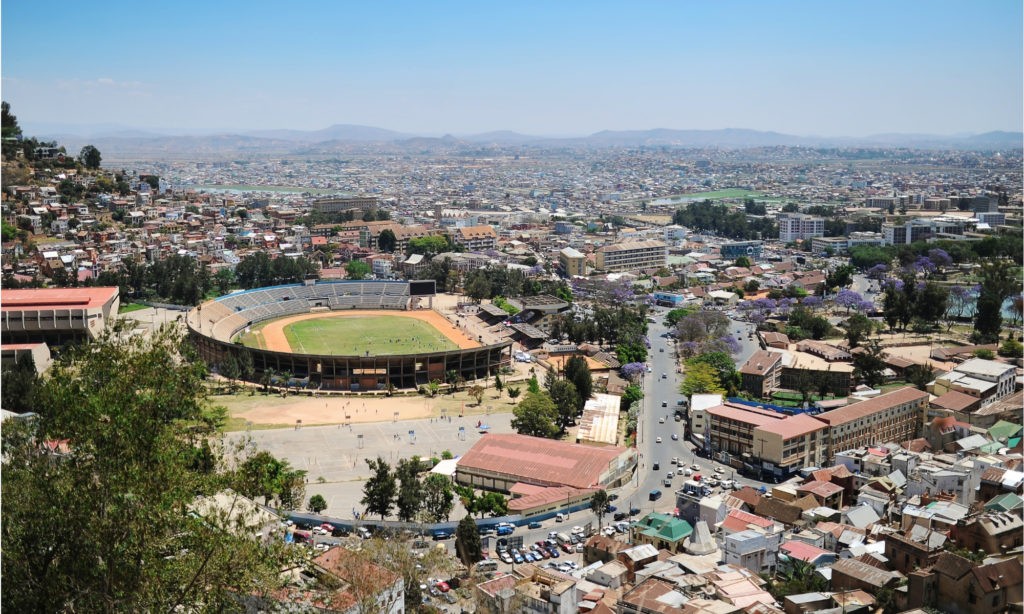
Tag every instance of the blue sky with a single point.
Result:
(839, 68)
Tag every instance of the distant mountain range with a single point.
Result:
(123, 141)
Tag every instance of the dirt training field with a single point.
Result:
(356, 332)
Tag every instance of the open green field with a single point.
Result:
(726, 193)
(356, 335)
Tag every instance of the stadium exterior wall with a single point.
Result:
(330, 372)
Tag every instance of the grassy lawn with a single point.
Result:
(130, 307)
(353, 335)
(726, 193)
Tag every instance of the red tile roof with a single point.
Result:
(871, 406)
(540, 461)
(738, 520)
(793, 426)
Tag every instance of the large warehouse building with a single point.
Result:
(57, 315)
(500, 461)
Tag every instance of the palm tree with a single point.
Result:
(513, 392)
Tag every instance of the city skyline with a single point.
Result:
(801, 68)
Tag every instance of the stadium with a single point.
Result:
(349, 335)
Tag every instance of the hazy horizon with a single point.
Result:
(572, 69)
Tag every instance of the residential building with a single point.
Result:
(572, 262)
(731, 428)
(631, 256)
(896, 416)
(800, 226)
(992, 532)
(749, 549)
(475, 238)
(988, 380)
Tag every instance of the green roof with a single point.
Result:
(1004, 502)
(1003, 430)
(665, 527)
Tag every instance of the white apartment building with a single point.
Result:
(800, 226)
(987, 380)
(632, 256)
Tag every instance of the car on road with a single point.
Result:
(727, 484)
(675, 461)
(440, 535)
(719, 470)
(675, 437)
(577, 530)
(712, 482)
(533, 525)
(654, 495)
(695, 467)
(664, 376)
(661, 420)
(620, 516)
(658, 440)
(610, 508)
(633, 511)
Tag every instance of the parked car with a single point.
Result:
(443, 587)
(620, 515)
(675, 437)
(533, 525)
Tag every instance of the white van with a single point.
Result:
(560, 517)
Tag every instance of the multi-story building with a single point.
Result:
(921, 229)
(762, 373)
(800, 226)
(987, 380)
(632, 256)
(338, 204)
(785, 446)
(842, 245)
(735, 249)
(475, 238)
(57, 315)
(896, 416)
(572, 262)
(731, 428)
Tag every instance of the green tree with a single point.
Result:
(532, 385)
(317, 504)
(632, 394)
(599, 505)
(796, 577)
(230, 370)
(410, 490)
(357, 269)
(743, 261)
(566, 400)
(984, 354)
(224, 279)
(10, 130)
(492, 503)
(438, 497)
(498, 384)
(477, 392)
(1011, 348)
(577, 372)
(19, 384)
(246, 368)
(536, 415)
(513, 392)
(999, 281)
(467, 542)
(919, 375)
(380, 489)
(725, 369)
(90, 157)
(387, 241)
(839, 277)
(122, 490)
(858, 327)
(868, 365)
(701, 378)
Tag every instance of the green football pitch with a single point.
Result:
(357, 335)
